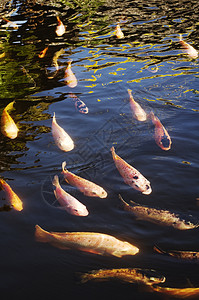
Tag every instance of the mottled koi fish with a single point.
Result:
(61, 138)
(118, 32)
(68, 202)
(8, 126)
(136, 275)
(130, 175)
(87, 187)
(177, 292)
(11, 196)
(138, 112)
(93, 242)
(191, 255)
(79, 104)
(192, 53)
(69, 77)
(157, 216)
(60, 29)
(161, 135)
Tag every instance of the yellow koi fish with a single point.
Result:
(137, 110)
(68, 202)
(87, 187)
(8, 126)
(93, 242)
(136, 275)
(61, 138)
(12, 198)
(118, 32)
(60, 29)
(130, 175)
(69, 77)
(192, 53)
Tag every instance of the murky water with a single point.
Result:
(163, 79)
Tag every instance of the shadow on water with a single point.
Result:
(163, 79)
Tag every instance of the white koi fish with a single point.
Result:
(70, 77)
(60, 29)
(118, 32)
(137, 110)
(192, 53)
(130, 175)
(68, 202)
(61, 138)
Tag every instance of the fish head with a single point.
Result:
(152, 277)
(128, 249)
(80, 211)
(147, 189)
(141, 185)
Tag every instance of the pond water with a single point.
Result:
(163, 79)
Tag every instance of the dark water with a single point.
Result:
(105, 68)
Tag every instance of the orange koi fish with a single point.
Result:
(161, 135)
(71, 204)
(8, 126)
(12, 198)
(177, 292)
(158, 216)
(118, 32)
(192, 53)
(43, 52)
(60, 29)
(93, 242)
(85, 186)
(137, 110)
(131, 275)
(130, 175)
(69, 77)
(61, 138)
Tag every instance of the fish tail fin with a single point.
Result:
(10, 106)
(124, 202)
(41, 235)
(85, 277)
(113, 151)
(130, 94)
(159, 250)
(55, 181)
(64, 167)
(2, 183)
(54, 119)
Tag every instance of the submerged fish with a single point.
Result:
(68, 202)
(43, 52)
(192, 53)
(130, 175)
(191, 255)
(87, 187)
(55, 63)
(61, 138)
(93, 242)
(136, 275)
(8, 126)
(70, 77)
(12, 198)
(177, 292)
(158, 216)
(137, 110)
(79, 104)
(60, 29)
(161, 135)
(10, 23)
(118, 32)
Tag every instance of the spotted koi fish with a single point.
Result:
(79, 104)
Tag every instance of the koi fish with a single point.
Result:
(136, 275)
(118, 32)
(43, 52)
(8, 126)
(177, 292)
(71, 204)
(69, 77)
(191, 255)
(157, 216)
(130, 175)
(61, 138)
(161, 135)
(60, 29)
(11, 196)
(55, 63)
(137, 110)
(93, 242)
(192, 53)
(85, 186)
(79, 104)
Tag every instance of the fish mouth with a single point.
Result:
(147, 192)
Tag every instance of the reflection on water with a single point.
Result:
(163, 79)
